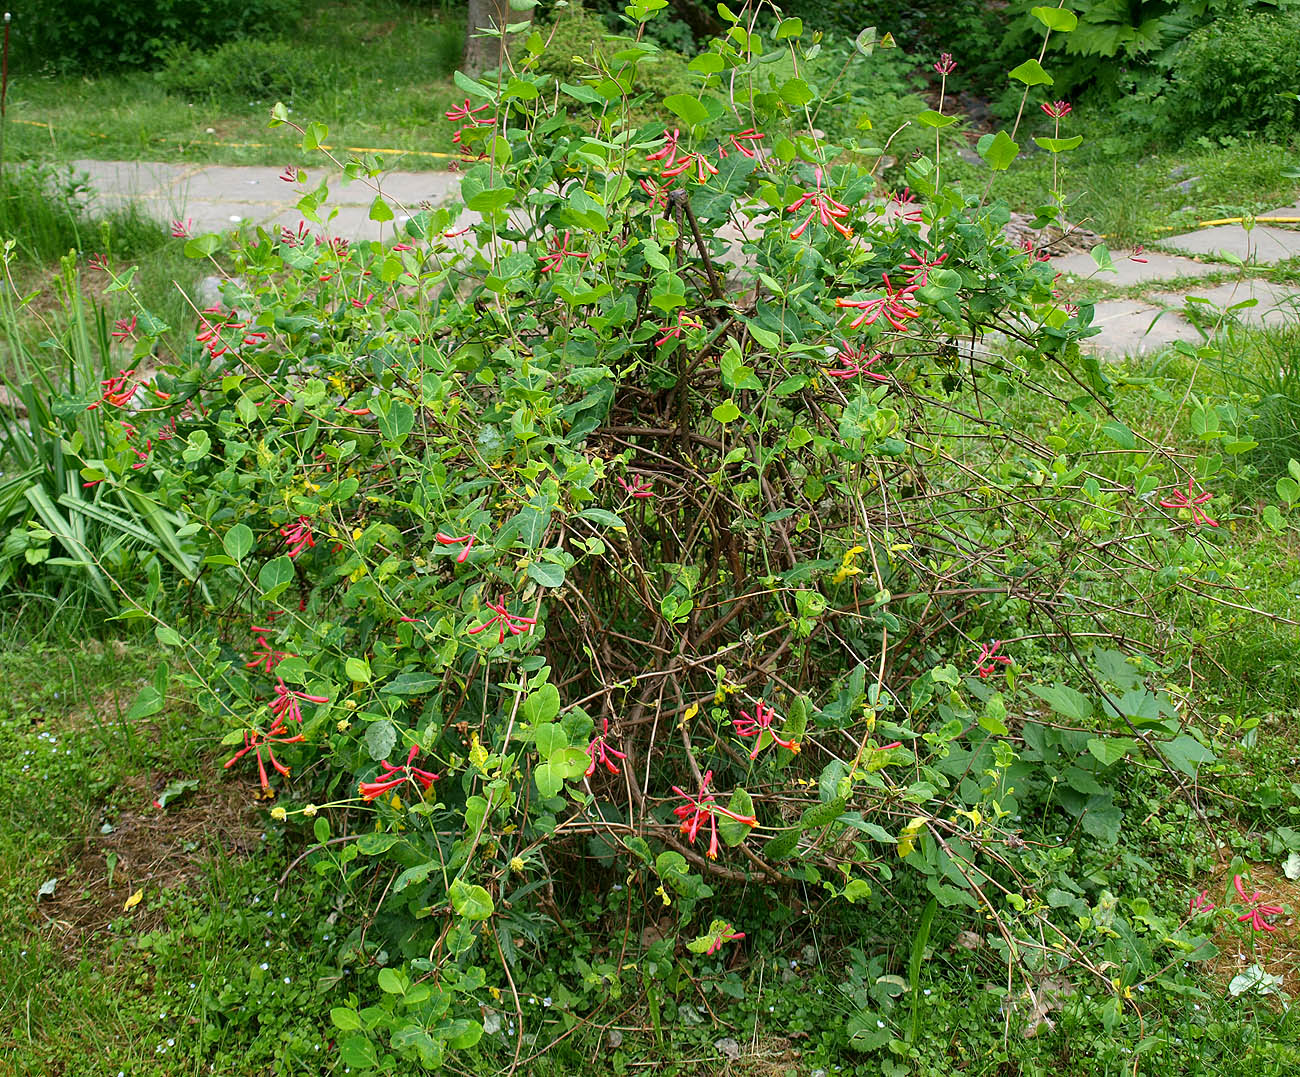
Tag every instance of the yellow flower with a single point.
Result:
(847, 567)
(907, 838)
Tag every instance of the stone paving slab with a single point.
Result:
(1156, 267)
(1275, 303)
(1127, 329)
(1263, 243)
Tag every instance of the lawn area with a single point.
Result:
(543, 646)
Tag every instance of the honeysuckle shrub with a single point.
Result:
(690, 503)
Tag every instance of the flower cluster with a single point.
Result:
(1191, 501)
(509, 622)
(822, 206)
(756, 726)
(600, 752)
(896, 305)
(702, 808)
(989, 659)
(395, 776)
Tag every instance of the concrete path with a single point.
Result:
(216, 198)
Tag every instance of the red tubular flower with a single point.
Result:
(755, 727)
(823, 207)
(740, 140)
(657, 191)
(559, 251)
(395, 776)
(261, 742)
(99, 262)
(702, 807)
(1192, 502)
(285, 704)
(452, 540)
(726, 934)
(120, 389)
(854, 362)
(638, 487)
(989, 657)
(268, 657)
(946, 64)
(463, 113)
(1056, 109)
(704, 168)
(921, 267)
(684, 321)
(1138, 250)
(908, 210)
(893, 305)
(508, 622)
(1257, 911)
(123, 328)
(297, 536)
(1200, 903)
(600, 751)
(293, 174)
(668, 152)
(183, 229)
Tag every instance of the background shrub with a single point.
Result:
(248, 69)
(101, 34)
(1234, 76)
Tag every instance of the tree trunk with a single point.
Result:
(484, 53)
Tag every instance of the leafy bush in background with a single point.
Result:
(244, 70)
(102, 34)
(1237, 76)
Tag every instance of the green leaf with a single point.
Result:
(381, 738)
(1186, 753)
(321, 829)
(732, 832)
(1061, 20)
(491, 200)
(792, 27)
(414, 876)
(1110, 750)
(203, 246)
(238, 541)
(782, 847)
(1120, 434)
(357, 669)
(470, 900)
(603, 517)
(390, 982)
(275, 576)
(820, 815)
(931, 118)
(542, 704)
(796, 92)
(358, 1052)
(1064, 700)
(999, 152)
(548, 779)
(1031, 73)
(686, 108)
(168, 636)
(379, 210)
(397, 421)
(411, 684)
(375, 844)
(148, 701)
(550, 738)
(345, 1019)
(726, 412)
(546, 574)
(1059, 145)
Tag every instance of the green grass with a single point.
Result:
(378, 74)
(208, 966)
(1131, 196)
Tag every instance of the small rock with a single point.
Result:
(614, 1038)
(1177, 172)
(1187, 184)
(969, 155)
(728, 1047)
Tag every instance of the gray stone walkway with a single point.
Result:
(216, 197)
(219, 197)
